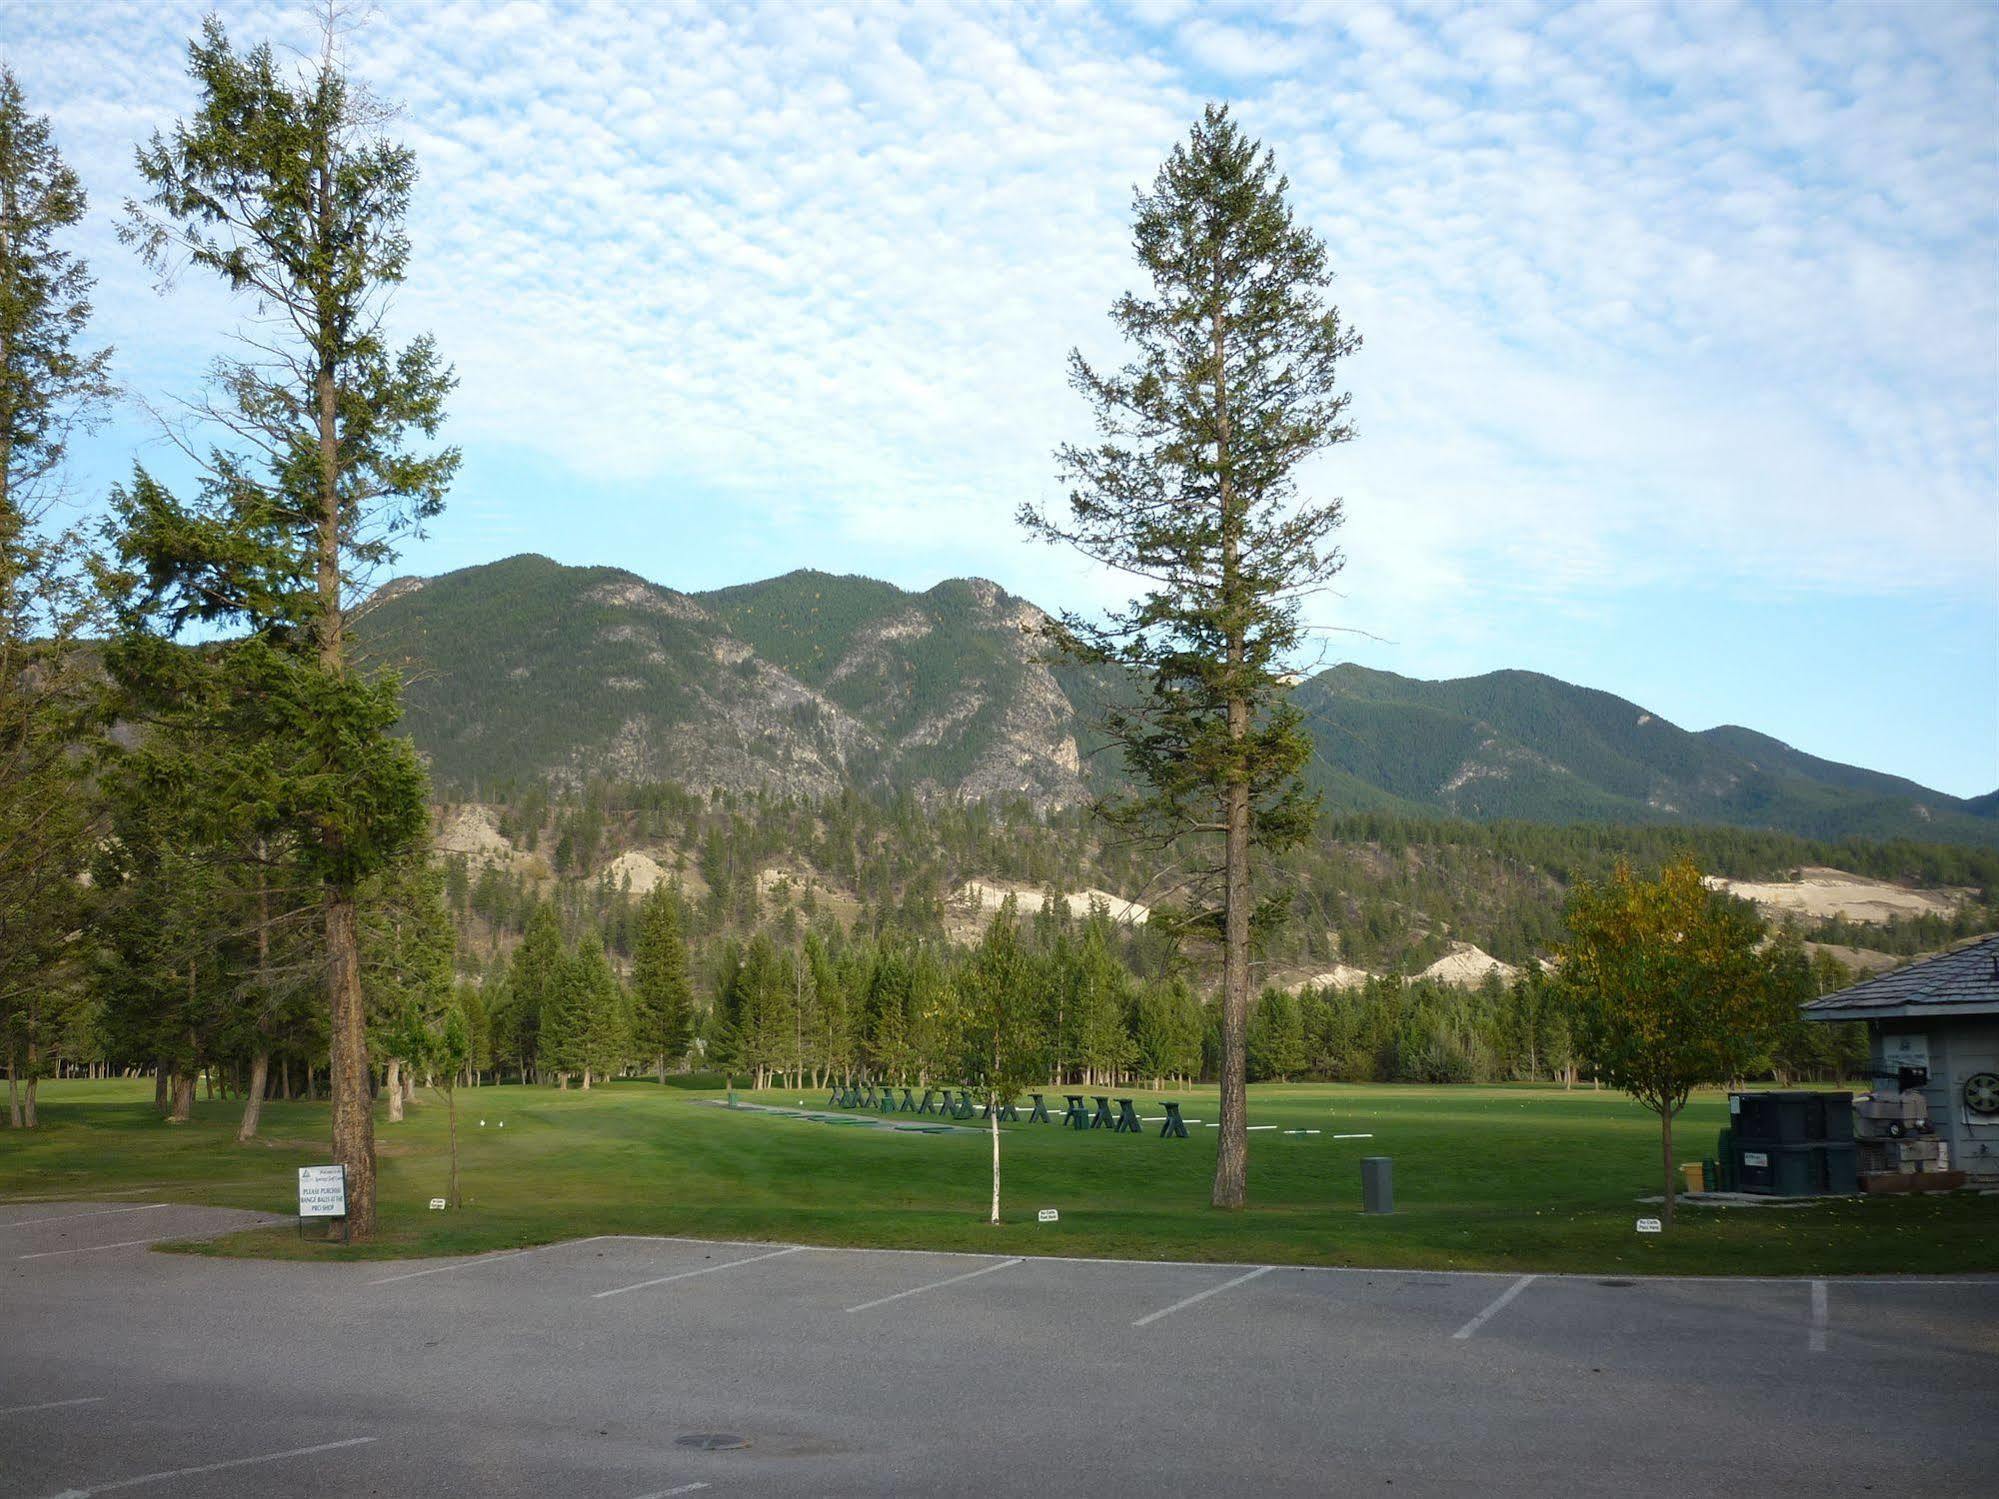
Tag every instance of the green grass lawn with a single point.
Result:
(1486, 1178)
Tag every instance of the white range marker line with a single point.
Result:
(1167, 1311)
(685, 1488)
(1353, 1137)
(234, 1462)
(933, 1286)
(43, 1254)
(1487, 1315)
(1816, 1341)
(66, 1217)
(485, 1259)
(49, 1405)
(1259, 1126)
(704, 1270)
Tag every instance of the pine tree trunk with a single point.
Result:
(1232, 1150)
(253, 1096)
(347, 1073)
(183, 1109)
(161, 1104)
(13, 1092)
(30, 1117)
(395, 1090)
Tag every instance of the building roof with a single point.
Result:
(1963, 981)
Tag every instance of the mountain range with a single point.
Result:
(525, 670)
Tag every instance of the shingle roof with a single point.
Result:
(1963, 981)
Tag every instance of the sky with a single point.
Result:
(1681, 364)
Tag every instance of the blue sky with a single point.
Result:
(1681, 374)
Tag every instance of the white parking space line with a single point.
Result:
(42, 1254)
(50, 1405)
(1498, 1304)
(1167, 1311)
(1819, 1317)
(704, 1270)
(234, 1462)
(934, 1285)
(68, 1217)
(685, 1488)
(484, 1259)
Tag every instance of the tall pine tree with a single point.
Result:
(284, 186)
(49, 387)
(1191, 487)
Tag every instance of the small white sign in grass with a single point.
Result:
(322, 1191)
(1650, 1226)
(1049, 1215)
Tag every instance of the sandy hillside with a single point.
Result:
(978, 895)
(1468, 965)
(1861, 960)
(1817, 893)
(1339, 976)
(470, 831)
(644, 871)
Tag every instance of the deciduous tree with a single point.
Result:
(999, 1014)
(1669, 989)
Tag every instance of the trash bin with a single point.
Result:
(1690, 1173)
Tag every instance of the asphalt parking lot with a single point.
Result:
(578, 1369)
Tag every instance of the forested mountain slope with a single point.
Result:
(1516, 744)
(527, 671)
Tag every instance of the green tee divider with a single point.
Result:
(1102, 1118)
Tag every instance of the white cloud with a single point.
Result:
(1647, 292)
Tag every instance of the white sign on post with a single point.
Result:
(1650, 1226)
(322, 1191)
(1049, 1215)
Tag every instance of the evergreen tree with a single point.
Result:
(662, 997)
(408, 950)
(595, 1011)
(534, 991)
(49, 387)
(1191, 488)
(286, 189)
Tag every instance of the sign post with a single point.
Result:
(322, 1193)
